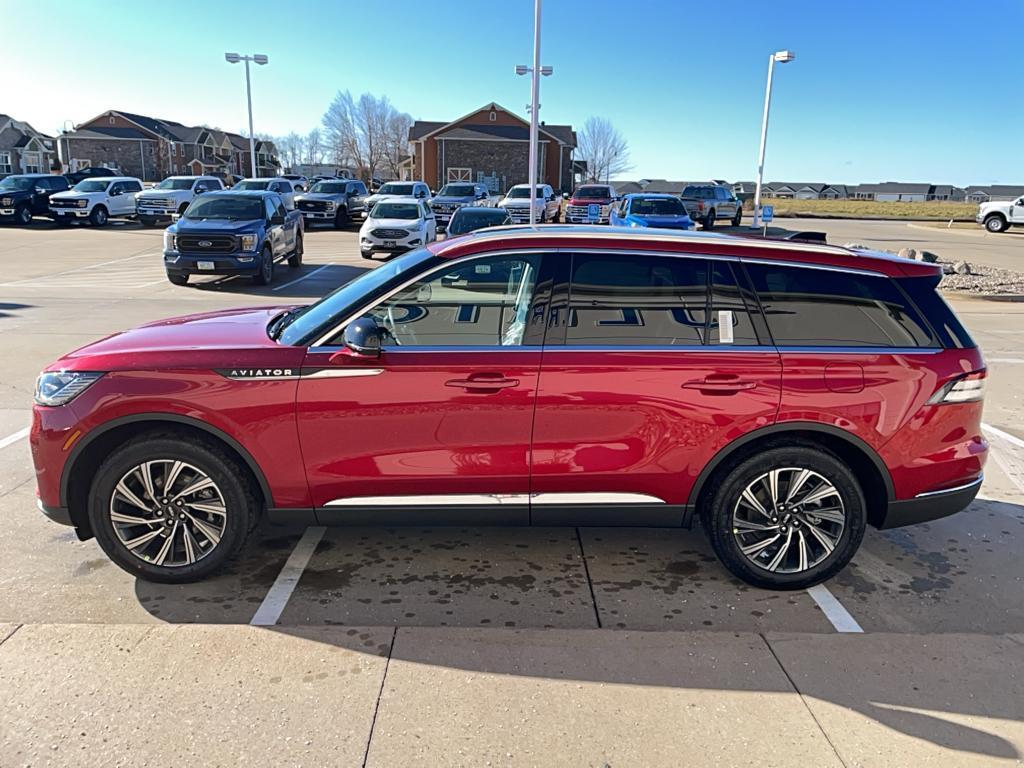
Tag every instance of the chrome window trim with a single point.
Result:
(488, 499)
(805, 265)
(653, 348)
(342, 373)
(861, 350)
(963, 487)
(338, 327)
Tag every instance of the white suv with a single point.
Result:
(395, 226)
(399, 190)
(96, 199)
(517, 202)
(171, 196)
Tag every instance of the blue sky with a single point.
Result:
(909, 90)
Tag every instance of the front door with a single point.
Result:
(646, 374)
(437, 428)
(1017, 212)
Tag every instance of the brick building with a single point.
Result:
(152, 148)
(490, 145)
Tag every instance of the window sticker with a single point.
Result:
(725, 326)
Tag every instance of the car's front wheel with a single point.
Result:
(265, 275)
(98, 217)
(171, 510)
(788, 517)
(709, 220)
(23, 215)
(996, 224)
(341, 218)
(177, 278)
(295, 260)
(738, 218)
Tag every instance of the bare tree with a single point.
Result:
(396, 140)
(314, 147)
(361, 132)
(604, 149)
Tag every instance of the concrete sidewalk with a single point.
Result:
(203, 695)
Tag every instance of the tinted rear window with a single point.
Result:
(922, 291)
(808, 307)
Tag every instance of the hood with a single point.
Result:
(376, 198)
(163, 193)
(220, 226)
(16, 194)
(392, 223)
(666, 222)
(589, 201)
(319, 196)
(451, 199)
(193, 341)
(518, 202)
(71, 194)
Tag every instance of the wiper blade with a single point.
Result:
(282, 321)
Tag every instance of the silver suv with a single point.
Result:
(708, 203)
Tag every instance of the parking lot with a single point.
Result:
(493, 646)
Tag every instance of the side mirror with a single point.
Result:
(175, 217)
(362, 336)
(565, 195)
(40, 191)
(200, 190)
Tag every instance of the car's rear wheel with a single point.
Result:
(709, 219)
(177, 279)
(171, 510)
(23, 216)
(295, 260)
(996, 224)
(738, 218)
(787, 518)
(265, 276)
(98, 217)
(341, 218)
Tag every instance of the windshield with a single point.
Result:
(91, 185)
(328, 188)
(334, 306)
(257, 185)
(470, 219)
(16, 183)
(592, 193)
(457, 190)
(395, 211)
(693, 191)
(523, 192)
(175, 184)
(656, 206)
(226, 207)
(395, 189)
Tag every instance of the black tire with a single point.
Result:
(709, 219)
(240, 502)
(265, 276)
(367, 255)
(295, 260)
(724, 500)
(738, 218)
(996, 224)
(177, 279)
(99, 217)
(147, 221)
(23, 216)
(341, 218)
(182, 208)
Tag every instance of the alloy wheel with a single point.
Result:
(788, 520)
(168, 513)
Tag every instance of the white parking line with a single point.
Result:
(1006, 451)
(1005, 435)
(300, 279)
(833, 609)
(1004, 359)
(12, 439)
(80, 269)
(274, 603)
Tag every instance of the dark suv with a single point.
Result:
(788, 395)
(26, 195)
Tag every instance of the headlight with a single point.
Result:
(249, 242)
(7, 201)
(82, 203)
(170, 241)
(414, 230)
(331, 205)
(61, 387)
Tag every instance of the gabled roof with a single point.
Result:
(21, 127)
(502, 132)
(422, 129)
(1005, 190)
(109, 132)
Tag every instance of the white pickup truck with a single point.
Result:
(96, 200)
(171, 196)
(1000, 216)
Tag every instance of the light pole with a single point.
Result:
(536, 71)
(783, 57)
(259, 58)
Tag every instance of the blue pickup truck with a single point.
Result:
(233, 233)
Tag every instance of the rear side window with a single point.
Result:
(922, 291)
(807, 307)
(637, 301)
(729, 321)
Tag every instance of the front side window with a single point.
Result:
(807, 307)
(637, 301)
(396, 189)
(91, 185)
(483, 302)
(174, 184)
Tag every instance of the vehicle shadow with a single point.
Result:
(8, 309)
(311, 280)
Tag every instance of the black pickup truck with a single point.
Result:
(233, 233)
(25, 195)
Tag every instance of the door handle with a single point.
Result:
(483, 383)
(720, 385)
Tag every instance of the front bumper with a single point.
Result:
(371, 244)
(979, 219)
(154, 213)
(318, 215)
(585, 220)
(930, 506)
(70, 213)
(221, 264)
(6, 212)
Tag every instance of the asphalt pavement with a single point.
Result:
(491, 646)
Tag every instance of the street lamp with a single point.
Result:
(259, 58)
(536, 70)
(783, 57)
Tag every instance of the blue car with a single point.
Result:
(641, 210)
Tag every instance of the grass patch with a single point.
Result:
(860, 209)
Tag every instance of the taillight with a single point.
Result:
(969, 388)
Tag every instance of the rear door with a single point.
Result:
(651, 365)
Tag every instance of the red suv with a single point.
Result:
(786, 394)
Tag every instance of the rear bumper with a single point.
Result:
(930, 506)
